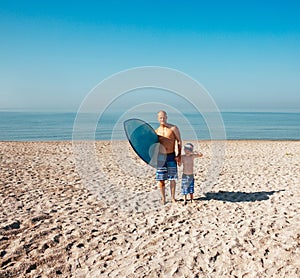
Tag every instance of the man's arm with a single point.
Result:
(179, 142)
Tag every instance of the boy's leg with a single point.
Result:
(162, 191)
(192, 189)
(185, 201)
(192, 197)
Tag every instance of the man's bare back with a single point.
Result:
(168, 135)
(166, 138)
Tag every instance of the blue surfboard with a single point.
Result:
(143, 139)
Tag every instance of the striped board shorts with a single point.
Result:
(187, 184)
(166, 167)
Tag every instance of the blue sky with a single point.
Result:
(245, 53)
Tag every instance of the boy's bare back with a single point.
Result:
(188, 162)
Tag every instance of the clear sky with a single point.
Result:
(245, 53)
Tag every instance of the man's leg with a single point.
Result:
(172, 188)
(162, 191)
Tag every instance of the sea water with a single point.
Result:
(54, 126)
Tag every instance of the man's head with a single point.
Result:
(162, 117)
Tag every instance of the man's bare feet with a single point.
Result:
(163, 201)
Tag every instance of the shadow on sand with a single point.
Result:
(227, 196)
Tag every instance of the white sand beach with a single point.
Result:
(53, 225)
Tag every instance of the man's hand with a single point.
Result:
(178, 160)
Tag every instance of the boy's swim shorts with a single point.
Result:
(187, 184)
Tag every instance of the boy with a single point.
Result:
(187, 161)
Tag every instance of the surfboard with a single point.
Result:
(143, 139)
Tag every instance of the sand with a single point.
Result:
(54, 224)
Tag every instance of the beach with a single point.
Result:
(52, 224)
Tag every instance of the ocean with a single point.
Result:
(42, 126)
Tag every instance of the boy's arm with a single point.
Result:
(197, 154)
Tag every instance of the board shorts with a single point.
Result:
(166, 167)
(187, 184)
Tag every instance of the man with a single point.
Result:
(168, 136)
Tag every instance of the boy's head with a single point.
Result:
(189, 147)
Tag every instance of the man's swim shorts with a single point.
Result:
(187, 184)
(166, 167)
